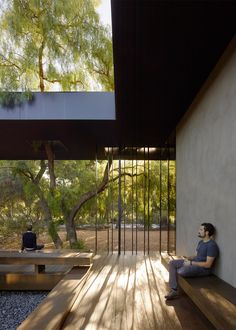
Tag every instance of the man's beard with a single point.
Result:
(201, 236)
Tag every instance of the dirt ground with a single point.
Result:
(107, 240)
(104, 240)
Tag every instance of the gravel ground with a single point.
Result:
(15, 306)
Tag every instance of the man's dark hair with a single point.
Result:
(29, 227)
(209, 227)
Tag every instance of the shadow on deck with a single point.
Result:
(119, 292)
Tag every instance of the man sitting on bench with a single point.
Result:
(197, 265)
(29, 241)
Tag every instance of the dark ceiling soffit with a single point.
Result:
(163, 53)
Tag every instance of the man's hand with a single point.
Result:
(187, 262)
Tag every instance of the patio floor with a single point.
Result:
(127, 292)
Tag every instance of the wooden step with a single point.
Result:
(52, 311)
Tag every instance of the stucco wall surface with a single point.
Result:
(206, 166)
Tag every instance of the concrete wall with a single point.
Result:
(206, 166)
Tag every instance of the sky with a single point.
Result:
(104, 11)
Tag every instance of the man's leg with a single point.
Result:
(193, 271)
(174, 265)
(177, 267)
(39, 246)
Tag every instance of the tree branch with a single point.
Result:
(74, 82)
(10, 63)
(92, 193)
(50, 156)
(41, 172)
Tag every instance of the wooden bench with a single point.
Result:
(213, 296)
(53, 310)
(38, 270)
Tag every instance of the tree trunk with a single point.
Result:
(70, 231)
(70, 225)
(40, 63)
(45, 208)
(50, 156)
(49, 222)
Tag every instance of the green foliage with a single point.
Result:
(20, 200)
(43, 43)
(12, 99)
(79, 245)
(52, 230)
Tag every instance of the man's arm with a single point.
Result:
(206, 264)
(190, 257)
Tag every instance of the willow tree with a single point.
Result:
(48, 42)
(53, 45)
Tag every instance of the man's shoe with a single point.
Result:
(172, 295)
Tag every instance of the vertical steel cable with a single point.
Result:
(124, 205)
(112, 200)
(96, 220)
(175, 198)
(148, 201)
(108, 202)
(119, 205)
(132, 202)
(160, 191)
(174, 211)
(136, 201)
(144, 201)
(168, 202)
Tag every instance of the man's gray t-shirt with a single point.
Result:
(206, 249)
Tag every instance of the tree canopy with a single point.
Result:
(54, 42)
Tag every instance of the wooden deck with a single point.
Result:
(45, 257)
(213, 296)
(50, 314)
(127, 292)
(38, 270)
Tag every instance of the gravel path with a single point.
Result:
(15, 306)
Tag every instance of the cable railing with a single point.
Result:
(140, 201)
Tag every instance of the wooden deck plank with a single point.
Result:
(90, 294)
(143, 310)
(101, 316)
(46, 257)
(6, 269)
(117, 296)
(52, 311)
(170, 320)
(26, 282)
(23, 277)
(126, 316)
(38, 270)
(164, 316)
(127, 292)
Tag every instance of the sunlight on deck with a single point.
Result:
(127, 292)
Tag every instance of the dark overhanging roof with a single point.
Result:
(163, 53)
